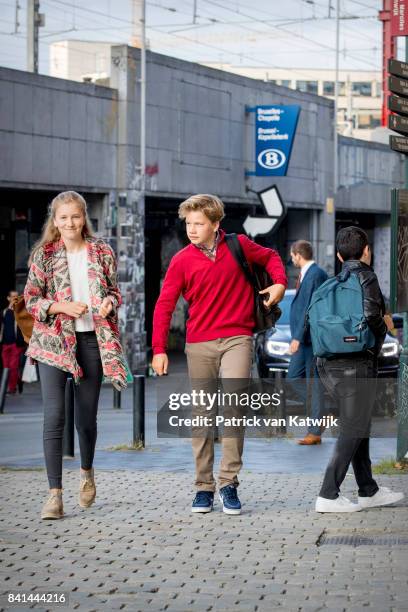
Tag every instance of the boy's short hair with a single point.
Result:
(210, 205)
(303, 248)
(351, 242)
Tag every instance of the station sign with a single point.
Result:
(398, 105)
(275, 128)
(398, 86)
(398, 124)
(397, 68)
(399, 17)
(399, 144)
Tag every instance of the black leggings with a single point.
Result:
(53, 382)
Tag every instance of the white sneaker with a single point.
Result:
(383, 497)
(341, 504)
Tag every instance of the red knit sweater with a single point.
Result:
(219, 297)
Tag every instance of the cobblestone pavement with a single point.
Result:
(140, 548)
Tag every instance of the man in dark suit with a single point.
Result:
(301, 363)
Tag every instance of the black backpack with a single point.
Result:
(259, 279)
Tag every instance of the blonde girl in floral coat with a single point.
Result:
(72, 294)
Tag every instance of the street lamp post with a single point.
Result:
(336, 102)
(403, 368)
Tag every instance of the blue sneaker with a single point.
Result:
(203, 501)
(230, 500)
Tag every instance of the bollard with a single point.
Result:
(117, 398)
(139, 410)
(69, 434)
(3, 388)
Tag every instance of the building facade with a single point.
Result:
(57, 134)
(359, 94)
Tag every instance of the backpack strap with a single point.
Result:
(237, 252)
(343, 275)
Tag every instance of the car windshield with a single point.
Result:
(284, 305)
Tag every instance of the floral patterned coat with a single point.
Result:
(53, 340)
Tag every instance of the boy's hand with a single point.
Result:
(160, 364)
(294, 346)
(276, 293)
(389, 322)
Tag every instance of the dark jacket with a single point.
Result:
(18, 336)
(313, 278)
(373, 304)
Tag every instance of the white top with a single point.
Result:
(78, 274)
(305, 268)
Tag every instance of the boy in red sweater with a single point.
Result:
(219, 327)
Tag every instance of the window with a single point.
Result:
(361, 88)
(307, 86)
(368, 121)
(286, 83)
(328, 88)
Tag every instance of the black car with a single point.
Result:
(272, 347)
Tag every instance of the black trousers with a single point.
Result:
(53, 382)
(351, 382)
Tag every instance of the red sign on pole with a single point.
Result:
(399, 18)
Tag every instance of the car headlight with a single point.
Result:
(390, 349)
(274, 347)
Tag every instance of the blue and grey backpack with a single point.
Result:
(336, 317)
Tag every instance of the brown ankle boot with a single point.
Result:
(87, 488)
(53, 507)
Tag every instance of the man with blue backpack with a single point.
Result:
(348, 325)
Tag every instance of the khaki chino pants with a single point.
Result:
(207, 361)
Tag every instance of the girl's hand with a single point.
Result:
(106, 307)
(75, 309)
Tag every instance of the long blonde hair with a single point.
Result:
(51, 233)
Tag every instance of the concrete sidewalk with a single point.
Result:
(140, 548)
(21, 438)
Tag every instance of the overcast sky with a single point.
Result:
(262, 33)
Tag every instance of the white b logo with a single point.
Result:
(271, 159)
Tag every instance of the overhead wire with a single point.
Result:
(302, 20)
(297, 35)
(213, 22)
